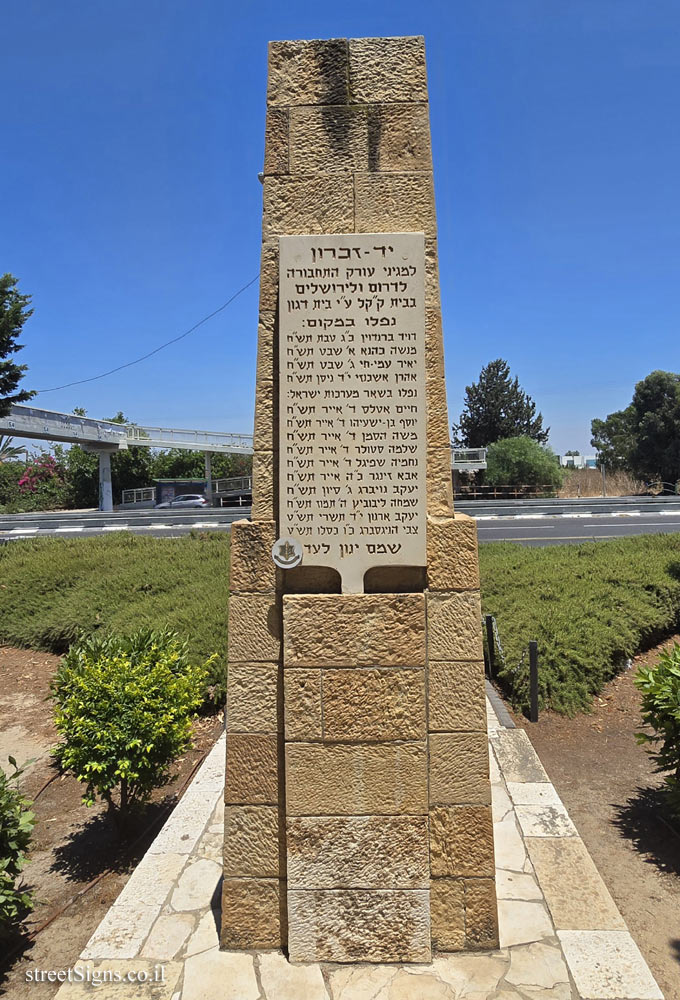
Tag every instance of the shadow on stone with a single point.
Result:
(644, 820)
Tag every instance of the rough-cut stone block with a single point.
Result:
(459, 768)
(461, 841)
(434, 344)
(276, 141)
(455, 626)
(327, 139)
(252, 697)
(302, 704)
(321, 203)
(439, 482)
(264, 433)
(358, 852)
(374, 704)
(308, 72)
(355, 925)
(252, 769)
(251, 841)
(363, 630)
(432, 297)
(452, 561)
(263, 486)
(481, 914)
(251, 914)
(265, 346)
(374, 779)
(447, 905)
(254, 628)
(269, 277)
(438, 430)
(456, 695)
(399, 138)
(252, 567)
(401, 203)
(387, 69)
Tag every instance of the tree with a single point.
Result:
(572, 454)
(521, 461)
(14, 312)
(8, 451)
(645, 437)
(496, 407)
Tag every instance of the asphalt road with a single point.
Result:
(538, 529)
(525, 528)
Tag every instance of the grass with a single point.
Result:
(590, 607)
(53, 590)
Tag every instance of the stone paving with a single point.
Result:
(561, 935)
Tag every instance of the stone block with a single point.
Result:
(263, 507)
(320, 203)
(461, 841)
(327, 139)
(252, 690)
(374, 704)
(517, 758)
(439, 481)
(455, 626)
(452, 559)
(432, 296)
(266, 327)
(363, 630)
(356, 925)
(251, 914)
(254, 628)
(269, 277)
(456, 695)
(608, 964)
(276, 141)
(481, 914)
(434, 344)
(387, 69)
(252, 567)
(438, 427)
(358, 852)
(459, 768)
(251, 841)
(399, 138)
(252, 769)
(264, 438)
(394, 202)
(308, 72)
(447, 906)
(349, 780)
(302, 704)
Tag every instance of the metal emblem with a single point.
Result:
(287, 553)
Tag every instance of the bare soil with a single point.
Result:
(72, 845)
(609, 786)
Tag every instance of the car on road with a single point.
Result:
(186, 500)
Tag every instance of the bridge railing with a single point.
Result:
(172, 437)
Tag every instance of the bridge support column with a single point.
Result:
(208, 477)
(105, 491)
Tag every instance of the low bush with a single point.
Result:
(590, 607)
(16, 824)
(521, 461)
(54, 590)
(660, 687)
(123, 707)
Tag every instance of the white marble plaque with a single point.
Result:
(352, 400)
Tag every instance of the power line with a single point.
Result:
(129, 364)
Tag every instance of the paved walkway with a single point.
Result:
(561, 935)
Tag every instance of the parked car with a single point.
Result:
(186, 500)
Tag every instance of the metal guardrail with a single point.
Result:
(232, 485)
(139, 495)
(172, 437)
(474, 492)
(468, 459)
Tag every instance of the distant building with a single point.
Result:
(578, 461)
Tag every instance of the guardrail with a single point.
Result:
(140, 495)
(172, 437)
(474, 492)
(232, 485)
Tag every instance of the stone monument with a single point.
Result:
(358, 821)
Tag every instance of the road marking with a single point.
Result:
(21, 531)
(113, 527)
(78, 528)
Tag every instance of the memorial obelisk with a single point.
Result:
(358, 822)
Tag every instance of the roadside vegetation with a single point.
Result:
(54, 591)
(590, 607)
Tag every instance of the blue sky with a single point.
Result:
(133, 135)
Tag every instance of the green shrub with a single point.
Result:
(590, 607)
(53, 590)
(16, 824)
(123, 708)
(521, 461)
(660, 688)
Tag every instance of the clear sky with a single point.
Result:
(132, 136)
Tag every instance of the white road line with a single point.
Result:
(115, 527)
(20, 531)
(62, 530)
